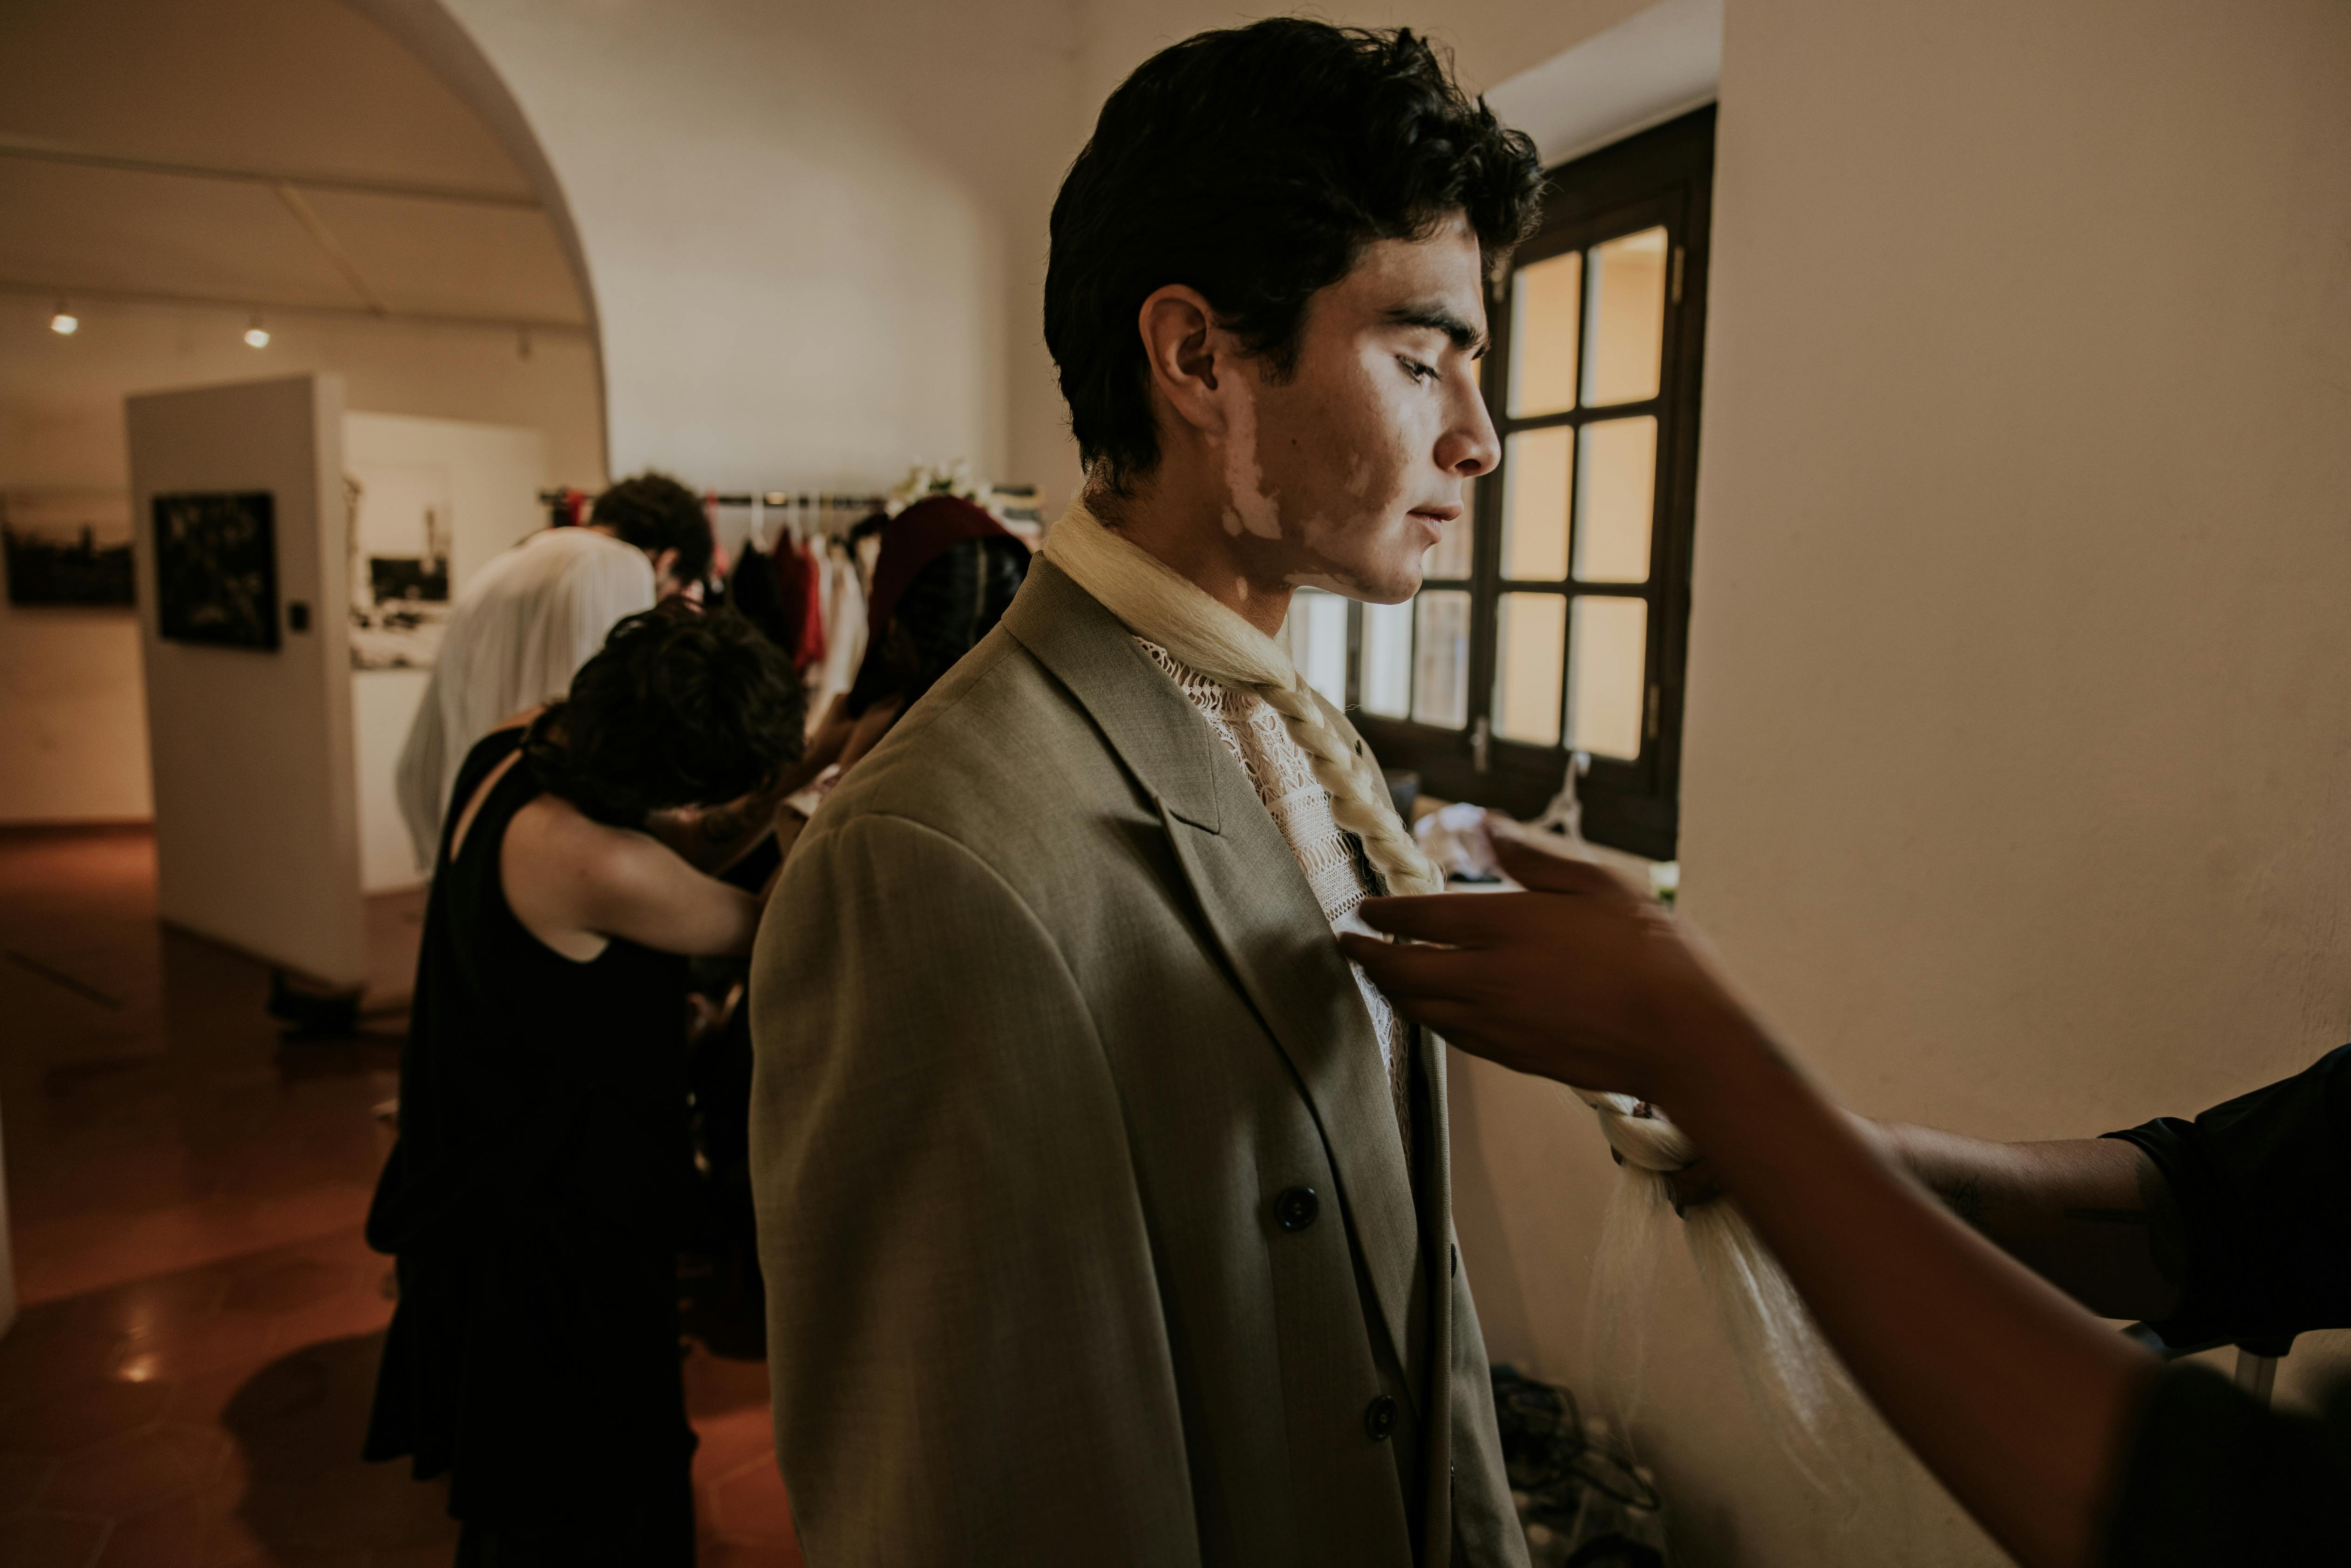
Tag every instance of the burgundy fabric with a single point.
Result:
(810, 651)
(798, 606)
(916, 537)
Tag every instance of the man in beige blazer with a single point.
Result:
(1106, 1214)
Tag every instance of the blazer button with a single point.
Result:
(1295, 1210)
(1379, 1418)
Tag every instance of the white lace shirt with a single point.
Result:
(1284, 777)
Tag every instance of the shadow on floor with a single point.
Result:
(299, 1423)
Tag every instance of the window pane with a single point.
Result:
(1615, 490)
(1448, 558)
(1530, 653)
(1318, 641)
(1440, 676)
(1543, 300)
(1387, 660)
(1607, 669)
(1537, 467)
(1625, 317)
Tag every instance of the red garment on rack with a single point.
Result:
(800, 602)
(810, 652)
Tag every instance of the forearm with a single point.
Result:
(2010, 1394)
(2091, 1216)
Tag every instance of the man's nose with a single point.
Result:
(1470, 447)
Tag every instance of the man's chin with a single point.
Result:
(1368, 587)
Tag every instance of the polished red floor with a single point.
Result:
(189, 1377)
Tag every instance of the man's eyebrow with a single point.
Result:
(1437, 318)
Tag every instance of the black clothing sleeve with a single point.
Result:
(2213, 1479)
(2263, 1187)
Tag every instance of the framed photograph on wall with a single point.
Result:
(67, 548)
(216, 570)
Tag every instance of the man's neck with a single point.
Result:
(1186, 534)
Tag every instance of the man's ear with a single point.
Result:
(1189, 353)
(665, 569)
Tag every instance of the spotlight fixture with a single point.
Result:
(256, 336)
(64, 323)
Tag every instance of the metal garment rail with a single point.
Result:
(745, 499)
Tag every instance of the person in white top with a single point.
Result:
(531, 617)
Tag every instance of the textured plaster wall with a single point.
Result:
(2019, 782)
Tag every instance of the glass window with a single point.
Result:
(1537, 466)
(1608, 658)
(1318, 641)
(1440, 674)
(1388, 659)
(1555, 618)
(1615, 493)
(1544, 299)
(1530, 652)
(1626, 319)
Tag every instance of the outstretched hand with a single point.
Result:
(1580, 979)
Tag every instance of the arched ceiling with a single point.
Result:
(262, 154)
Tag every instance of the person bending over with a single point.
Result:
(529, 1200)
(1105, 1215)
(2067, 1442)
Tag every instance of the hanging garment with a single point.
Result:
(844, 629)
(752, 591)
(810, 652)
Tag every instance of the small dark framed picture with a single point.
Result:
(216, 570)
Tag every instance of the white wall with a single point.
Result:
(493, 474)
(2017, 786)
(803, 222)
(70, 697)
(256, 832)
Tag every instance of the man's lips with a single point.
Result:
(1435, 518)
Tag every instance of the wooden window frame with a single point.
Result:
(1661, 176)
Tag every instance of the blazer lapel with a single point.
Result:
(1257, 903)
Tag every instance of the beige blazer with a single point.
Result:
(1088, 1234)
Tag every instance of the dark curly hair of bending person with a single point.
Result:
(677, 709)
(1254, 165)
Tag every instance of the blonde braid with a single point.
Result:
(1164, 607)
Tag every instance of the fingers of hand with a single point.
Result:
(1530, 864)
(1409, 974)
(1455, 919)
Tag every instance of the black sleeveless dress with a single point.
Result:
(531, 1201)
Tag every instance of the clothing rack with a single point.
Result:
(568, 506)
(723, 498)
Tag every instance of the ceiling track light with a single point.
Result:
(256, 336)
(64, 323)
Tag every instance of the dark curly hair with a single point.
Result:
(677, 709)
(945, 609)
(654, 513)
(1255, 164)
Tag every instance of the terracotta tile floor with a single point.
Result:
(189, 1377)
